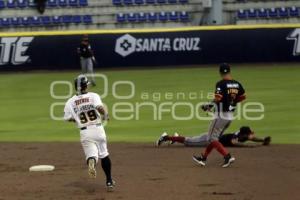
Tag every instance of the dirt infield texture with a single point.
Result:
(145, 172)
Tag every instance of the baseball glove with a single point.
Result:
(267, 141)
(207, 107)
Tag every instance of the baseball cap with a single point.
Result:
(81, 83)
(224, 68)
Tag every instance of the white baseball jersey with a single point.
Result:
(83, 109)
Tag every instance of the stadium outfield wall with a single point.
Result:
(152, 47)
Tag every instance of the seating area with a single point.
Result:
(28, 17)
(153, 17)
(147, 2)
(263, 13)
(22, 4)
(45, 20)
(22, 15)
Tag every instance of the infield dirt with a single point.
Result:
(145, 172)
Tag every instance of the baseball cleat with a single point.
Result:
(161, 139)
(199, 160)
(110, 185)
(228, 160)
(92, 170)
(175, 135)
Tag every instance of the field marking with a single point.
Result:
(151, 30)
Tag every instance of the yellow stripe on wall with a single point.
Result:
(150, 30)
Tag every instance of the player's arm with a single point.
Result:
(103, 112)
(241, 95)
(236, 143)
(256, 139)
(71, 120)
(217, 98)
(100, 108)
(68, 114)
(90, 50)
(92, 53)
(264, 141)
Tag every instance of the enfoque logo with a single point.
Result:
(127, 44)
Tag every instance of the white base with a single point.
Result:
(41, 168)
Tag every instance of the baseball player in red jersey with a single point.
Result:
(228, 93)
(235, 139)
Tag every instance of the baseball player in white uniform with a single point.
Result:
(86, 109)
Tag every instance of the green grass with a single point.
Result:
(25, 103)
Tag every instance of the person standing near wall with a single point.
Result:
(40, 5)
(87, 58)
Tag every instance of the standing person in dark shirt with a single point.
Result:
(237, 139)
(41, 5)
(87, 58)
(228, 93)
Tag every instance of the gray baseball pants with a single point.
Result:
(87, 67)
(197, 141)
(218, 125)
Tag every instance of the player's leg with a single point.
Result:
(217, 127)
(91, 153)
(91, 162)
(179, 139)
(90, 70)
(201, 160)
(200, 141)
(166, 138)
(83, 64)
(161, 139)
(197, 141)
(224, 122)
(105, 159)
(176, 138)
(220, 126)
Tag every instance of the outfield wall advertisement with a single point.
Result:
(158, 48)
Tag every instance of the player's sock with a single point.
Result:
(179, 139)
(106, 166)
(208, 149)
(220, 148)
